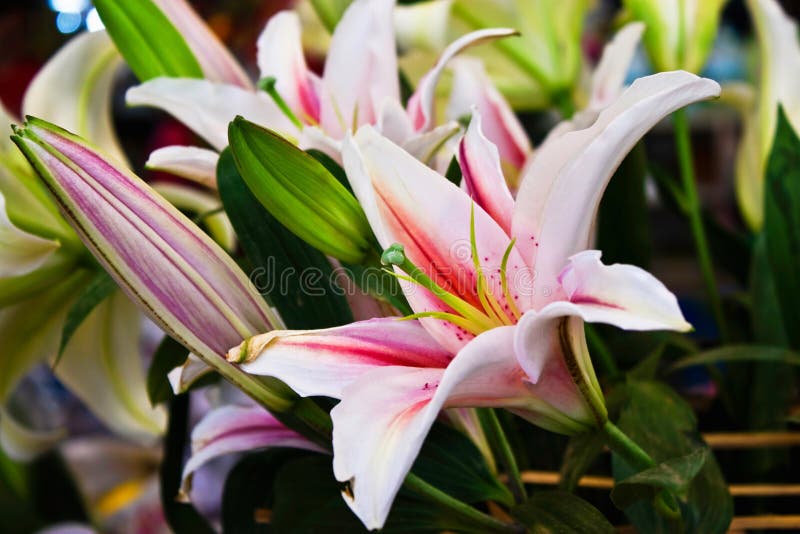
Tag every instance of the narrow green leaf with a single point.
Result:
(739, 353)
(147, 40)
(169, 355)
(559, 512)
(297, 279)
(95, 292)
(300, 192)
(674, 475)
(782, 223)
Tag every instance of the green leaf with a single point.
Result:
(95, 292)
(180, 516)
(623, 228)
(582, 451)
(147, 40)
(300, 192)
(559, 512)
(782, 223)
(295, 278)
(169, 355)
(664, 425)
(249, 490)
(739, 353)
(451, 462)
(768, 326)
(674, 475)
(307, 499)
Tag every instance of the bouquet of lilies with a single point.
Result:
(391, 303)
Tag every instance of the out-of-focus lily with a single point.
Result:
(45, 268)
(540, 68)
(473, 89)
(500, 288)
(178, 275)
(680, 33)
(359, 86)
(237, 428)
(779, 50)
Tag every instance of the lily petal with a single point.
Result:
(425, 146)
(483, 176)
(568, 175)
(422, 25)
(472, 87)
(22, 443)
(550, 345)
(623, 295)
(231, 429)
(280, 55)
(780, 67)
(382, 421)
(420, 105)
(217, 62)
(107, 342)
(22, 252)
(408, 203)
(181, 378)
(32, 329)
(361, 68)
(187, 284)
(207, 107)
(324, 362)
(608, 79)
(192, 163)
(74, 90)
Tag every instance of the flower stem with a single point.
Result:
(474, 516)
(503, 447)
(684, 147)
(631, 452)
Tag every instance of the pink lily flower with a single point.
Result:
(359, 85)
(501, 289)
(238, 428)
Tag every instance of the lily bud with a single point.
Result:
(679, 35)
(300, 192)
(178, 275)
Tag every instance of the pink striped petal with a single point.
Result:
(562, 188)
(384, 417)
(408, 203)
(280, 55)
(542, 341)
(483, 175)
(420, 105)
(361, 68)
(217, 62)
(232, 429)
(185, 282)
(324, 362)
(472, 87)
(623, 295)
